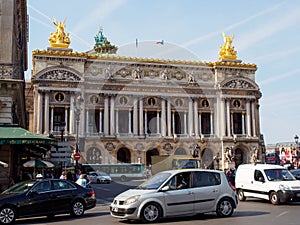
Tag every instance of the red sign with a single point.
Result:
(76, 156)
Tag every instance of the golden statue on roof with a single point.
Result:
(227, 51)
(59, 39)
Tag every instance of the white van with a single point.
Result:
(265, 181)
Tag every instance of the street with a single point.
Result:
(250, 212)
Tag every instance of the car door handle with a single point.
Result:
(215, 190)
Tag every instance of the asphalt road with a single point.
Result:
(250, 212)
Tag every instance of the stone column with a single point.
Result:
(212, 130)
(169, 118)
(141, 119)
(40, 114)
(190, 118)
(157, 122)
(185, 122)
(100, 120)
(129, 121)
(72, 116)
(248, 118)
(135, 116)
(145, 121)
(106, 116)
(173, 122)
(35, 112)
(163, 118)
(112, 115)
(52, 119)
(87, 130)
(46, 114)
(222, 119)
(243, 123)
(228, 117)
(117, 121)
(200, 124)
(196, 118)
(253, 119)
(66, 120)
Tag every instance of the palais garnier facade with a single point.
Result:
(124, 109)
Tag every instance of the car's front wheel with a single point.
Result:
(225, 207)
(151, 213)
(7, 215)
(77, 208)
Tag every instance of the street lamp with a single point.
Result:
(297, 145)
(78, 102)
(62, 130)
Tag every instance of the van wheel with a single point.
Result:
(151, 213)
(241, 195)
(225, 207)
(274, 198)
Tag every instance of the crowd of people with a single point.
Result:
(78, 177)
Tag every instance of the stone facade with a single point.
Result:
(133, 108)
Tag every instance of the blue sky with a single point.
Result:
(266, 33)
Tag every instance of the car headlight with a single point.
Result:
(284, 187)
(132, 200)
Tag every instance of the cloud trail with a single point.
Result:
(239, 23)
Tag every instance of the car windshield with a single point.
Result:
(278, 175)
(19, 187)
(154, 182)
(102, 174)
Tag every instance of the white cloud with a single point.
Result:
(279, 23)
(279, 77)
(237, 24)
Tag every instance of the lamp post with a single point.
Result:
(78, 102)
(297, 146)
(62, 130)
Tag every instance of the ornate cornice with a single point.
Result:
(237, 64)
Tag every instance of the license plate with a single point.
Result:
(298, 194)
(115, 209)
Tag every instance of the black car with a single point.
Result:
(46, 197)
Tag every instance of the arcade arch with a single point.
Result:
(123, 155)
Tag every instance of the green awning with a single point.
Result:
(20, 136)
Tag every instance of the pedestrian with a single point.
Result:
(63, 176)
(39, 176)
(82, 180)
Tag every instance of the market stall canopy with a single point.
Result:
(21, 136)
(39, 163)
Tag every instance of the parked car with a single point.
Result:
(176, 193)
(265, 181)
(46, 197)
(100, 177)
(296, 173)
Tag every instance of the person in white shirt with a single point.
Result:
(82, 181)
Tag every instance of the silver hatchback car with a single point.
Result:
(177, 193)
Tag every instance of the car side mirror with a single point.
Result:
(33, 192)
(165, 188)
(261, 179)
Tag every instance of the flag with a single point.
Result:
(136, 43)
(160, 42)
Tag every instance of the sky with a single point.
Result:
(266, 33)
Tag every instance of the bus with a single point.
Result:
(121, 171)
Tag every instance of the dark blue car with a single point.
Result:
(46, 197)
